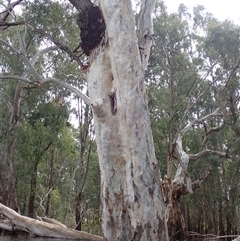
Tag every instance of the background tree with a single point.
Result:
(39, 110)
(193, 71)
(194, 104)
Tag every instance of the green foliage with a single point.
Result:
(193, 70)
(46, 147)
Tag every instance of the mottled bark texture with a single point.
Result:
(132, 198)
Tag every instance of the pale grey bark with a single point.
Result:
(39, 80)
(183, 157)
(132, 199)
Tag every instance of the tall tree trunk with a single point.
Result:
(132, 198)
(39, 153)
(8, 194)
(33, 187)
(78, 212)
(50, 182)
(84, 121)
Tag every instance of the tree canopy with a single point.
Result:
(50, 151)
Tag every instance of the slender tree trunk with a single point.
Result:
(78, 212)
(33, 187)
(39, 153)
(85, 146)
(8, 194)
(7, 189)
(50, 182)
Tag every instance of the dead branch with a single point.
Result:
(236, 239)
(212, 236)
(194, 157)
(18, 222)
(183, 157)
(181, 189)
(211, 130)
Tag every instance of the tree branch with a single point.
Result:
(69, 87)
(7, 25)
(183, 157)
(15, 77)
(81, 5)
(181, 189)
(209, 132)
(233, 71)
(199, 95)
(23, 57)
(236, 239)
(39, 79)
(58, 44)
(196, 121)
(49, 80)
(194, 157)
(8, 10)
(42, 52)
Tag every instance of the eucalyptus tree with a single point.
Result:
(193, 71)
(85, 136)
(10, 101)
(15, 40)
(116, 50)
(40, 150)
(133, 206)
(132, 198)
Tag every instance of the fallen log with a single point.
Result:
(17, 222)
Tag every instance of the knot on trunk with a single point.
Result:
(92, 26)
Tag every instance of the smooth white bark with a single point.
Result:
(183, 157)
